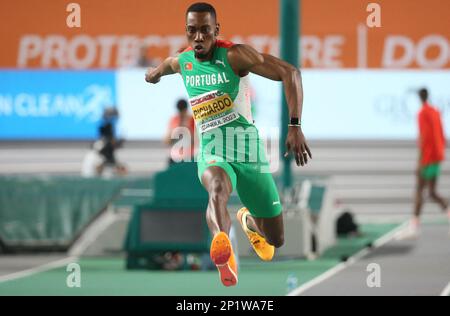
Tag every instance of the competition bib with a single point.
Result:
(212, 109)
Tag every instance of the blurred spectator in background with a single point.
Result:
(431, 153)
(184, 149)
(107, 133)
(102, 155)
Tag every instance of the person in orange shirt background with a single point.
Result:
(431, 154)
(183, 151)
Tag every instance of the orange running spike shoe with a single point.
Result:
(223, 257)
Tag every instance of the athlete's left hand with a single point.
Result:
(296, 143)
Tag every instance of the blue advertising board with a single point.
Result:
(53, 104)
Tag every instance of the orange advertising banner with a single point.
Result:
(85, 34)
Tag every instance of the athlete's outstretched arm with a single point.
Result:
(244, 59)
(167, 67)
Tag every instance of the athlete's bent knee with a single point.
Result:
(276, 241)
(218, 186)
(218, 190)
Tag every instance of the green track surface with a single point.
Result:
(109, 277)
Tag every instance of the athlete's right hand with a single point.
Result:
(152, 75)
(296, 143)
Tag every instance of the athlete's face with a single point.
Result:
(201, 32)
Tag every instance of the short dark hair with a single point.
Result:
(423, 94)
(182, 105)
(202, 7)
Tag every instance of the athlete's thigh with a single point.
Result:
(217, 170)
(420, 182)
(257, 190)
(432, 185)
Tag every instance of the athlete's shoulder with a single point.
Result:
(428, 109)
(186, 49)
(435, 109)
(185, 52)
(243, 57)
(224, 44)
(243, 49)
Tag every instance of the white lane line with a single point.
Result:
(351, 260)
(38, 269)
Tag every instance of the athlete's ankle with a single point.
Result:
(416, 219)
(415, 222)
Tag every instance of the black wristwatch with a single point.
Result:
(294, 121)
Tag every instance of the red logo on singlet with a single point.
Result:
(187, 66)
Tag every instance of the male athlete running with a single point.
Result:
(431, 156)
(215, 74)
